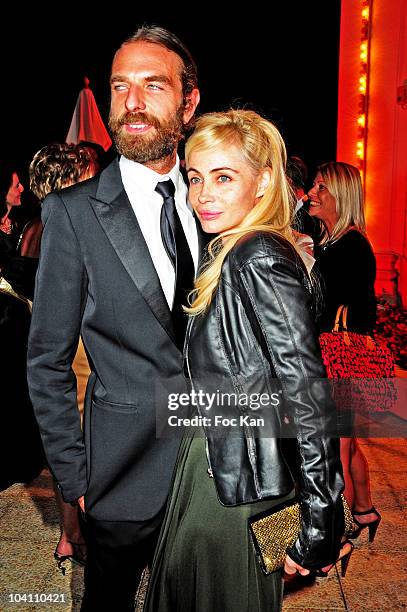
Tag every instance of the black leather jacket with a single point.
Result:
(259, 331)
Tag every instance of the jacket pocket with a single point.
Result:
(113, 449)
(115, 406)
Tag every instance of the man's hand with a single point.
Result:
(81, 503)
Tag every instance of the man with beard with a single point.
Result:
(118, 253)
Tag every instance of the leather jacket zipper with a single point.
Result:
(210, 472)
(252, 455)
(250, 445)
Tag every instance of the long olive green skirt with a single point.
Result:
(205, 561)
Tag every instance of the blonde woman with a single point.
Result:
(345, 257)
(250, 327)
(57, 166)
(347, 268)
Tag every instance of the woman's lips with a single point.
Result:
(314, 203)
(209, 216)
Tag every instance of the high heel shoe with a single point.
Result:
(372, 525)
(78, 556)
(344, 562)
(346, 558)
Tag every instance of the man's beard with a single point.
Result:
(144, 148)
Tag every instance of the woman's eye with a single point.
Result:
(154, 87)
(194, 180)
(223, 178)
(321, 187)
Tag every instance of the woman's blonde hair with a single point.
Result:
(262, 146)
(343, 182)
(59, 165)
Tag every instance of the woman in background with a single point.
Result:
(10, 197)
(347, 268)
(21, 452)
(57, 166)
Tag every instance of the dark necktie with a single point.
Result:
(176, 245)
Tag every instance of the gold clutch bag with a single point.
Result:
(277, 529)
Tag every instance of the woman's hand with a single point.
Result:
(81, 503)
(291, 567)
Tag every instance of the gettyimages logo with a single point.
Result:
(220, 409)
(312, 408)
(207, 401)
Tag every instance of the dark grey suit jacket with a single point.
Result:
(96, 279)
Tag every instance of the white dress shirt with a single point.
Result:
(140, 183)
(299, 204)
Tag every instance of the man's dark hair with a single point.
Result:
(297, 172)
(165, 38)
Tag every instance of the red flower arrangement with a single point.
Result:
(391, 328)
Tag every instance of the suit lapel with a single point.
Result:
(116, 216)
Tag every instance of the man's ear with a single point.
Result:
(191, 102)
(264, 181)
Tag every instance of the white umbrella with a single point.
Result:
(87, 124)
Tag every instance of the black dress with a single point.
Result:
(347, 272)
